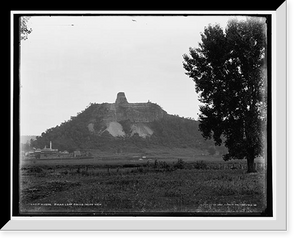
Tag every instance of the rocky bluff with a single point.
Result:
(124, 126)
(107, 116)
(135, 112)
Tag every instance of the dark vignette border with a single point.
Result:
(16, 130)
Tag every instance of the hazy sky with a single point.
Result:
(69, 61)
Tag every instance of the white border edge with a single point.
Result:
(277, 223)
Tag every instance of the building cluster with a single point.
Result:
(51, 153)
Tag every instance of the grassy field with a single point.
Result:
(132, 186)
(93, 187)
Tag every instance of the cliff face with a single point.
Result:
(135, 112)
(121, 99)
(107, 116)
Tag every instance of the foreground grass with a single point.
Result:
(150, 188)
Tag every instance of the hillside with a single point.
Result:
(126, 127)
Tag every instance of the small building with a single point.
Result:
(49, 152)
(77, 153)
(30, 154)
(64, 154)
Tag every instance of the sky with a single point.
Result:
(68, 62)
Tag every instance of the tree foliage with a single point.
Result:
(229, 71)
(24, 30)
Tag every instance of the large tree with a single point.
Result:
(229, 71)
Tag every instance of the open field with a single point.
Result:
(144, 156)
(105, 186)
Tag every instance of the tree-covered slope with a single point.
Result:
(168, 131)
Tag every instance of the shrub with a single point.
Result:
(36, 170)
(160, 166)
(139, 170)
(179, 164)
(201, 165)
(131, 165)
(156, 164)
(85, 173)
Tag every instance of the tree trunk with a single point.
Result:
(250, 163)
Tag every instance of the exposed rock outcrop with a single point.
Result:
(115, 129)
(122, 110)
(141, 129)
(121, 99)
(135, 112)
